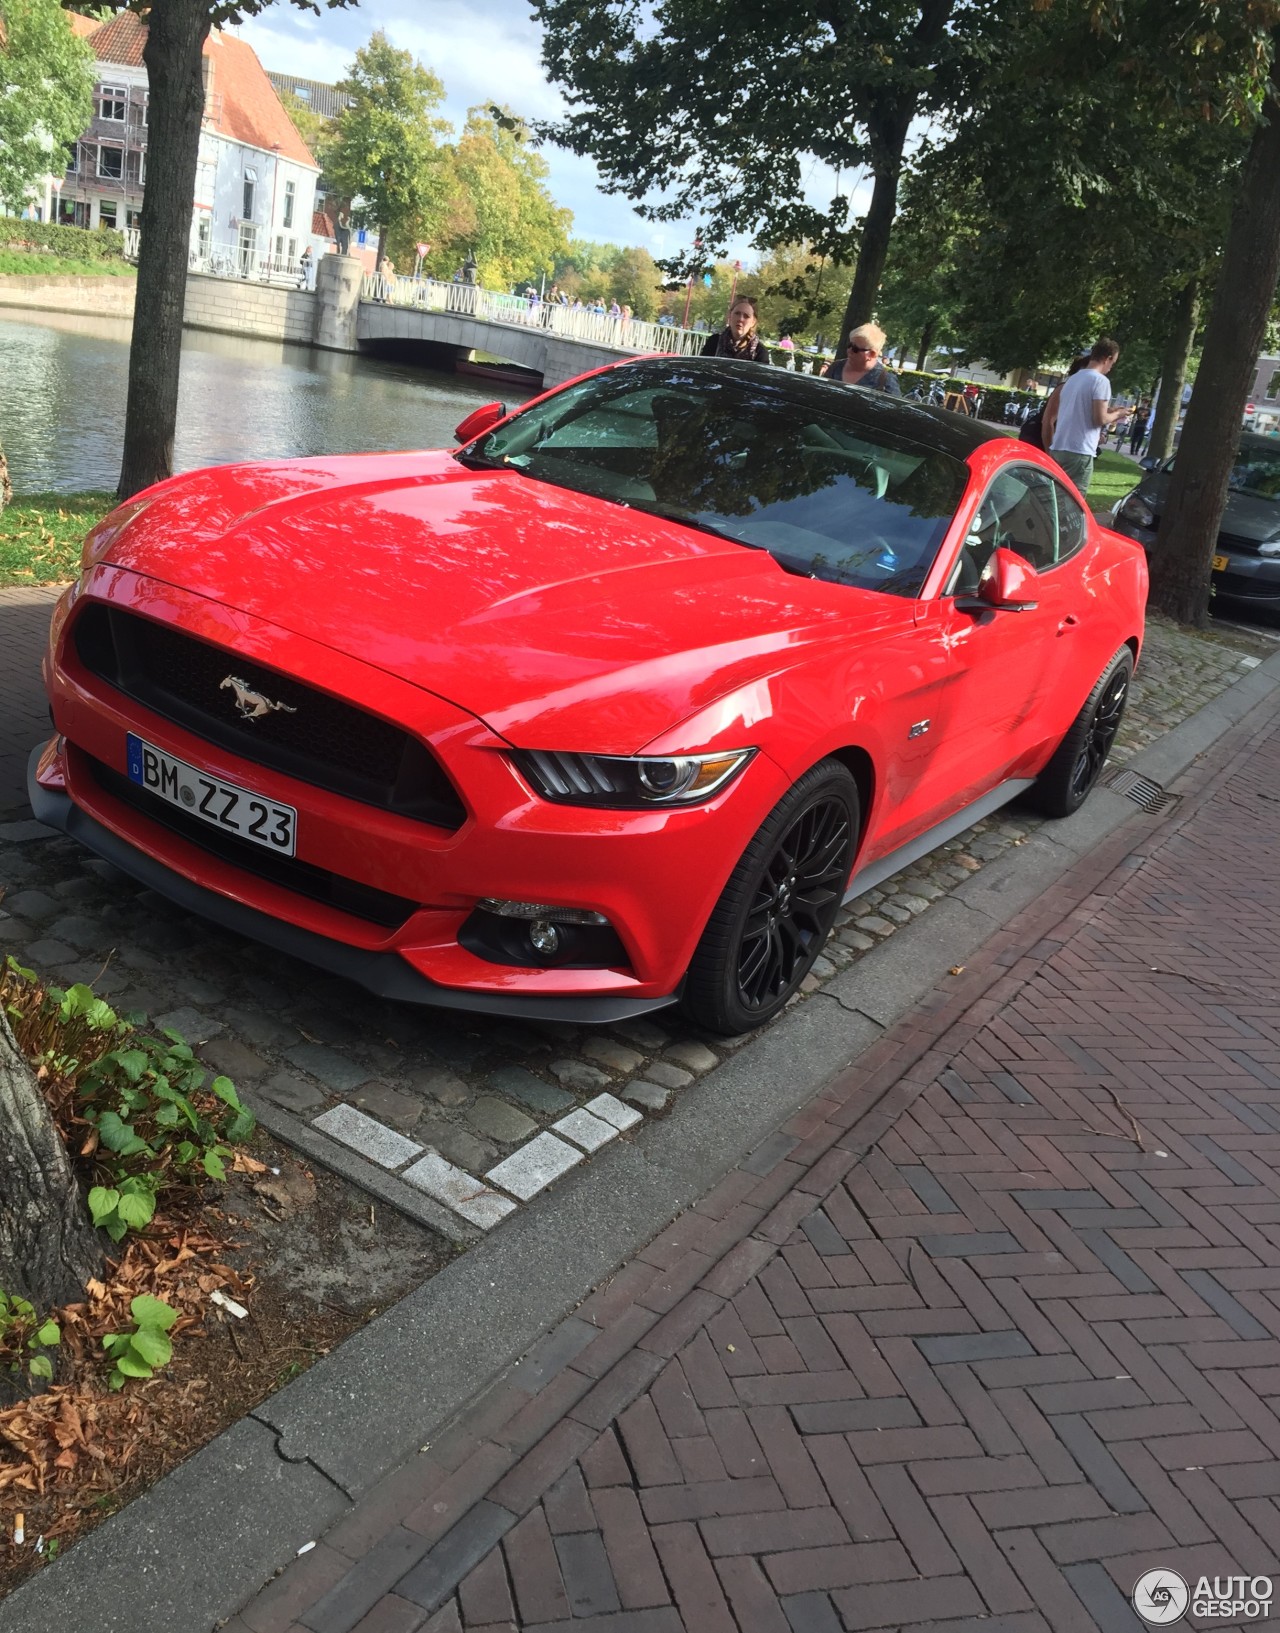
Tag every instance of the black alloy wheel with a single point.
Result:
(776, 912)
(1070, 776)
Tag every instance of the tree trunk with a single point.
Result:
(175, 37)
(6, 488)
(926, 340)
(874, 248)
(1173, 372)
(48, 1248)
(1233, 339)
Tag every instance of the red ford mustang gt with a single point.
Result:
(609, 709)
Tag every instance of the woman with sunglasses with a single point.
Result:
(861, 365)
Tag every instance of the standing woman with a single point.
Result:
(861, 365)
(738, 338)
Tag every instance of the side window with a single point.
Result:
(1073, 526)
(1018, 512)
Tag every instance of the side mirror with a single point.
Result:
(1008, 584)
(479, 421)
(1149, 464)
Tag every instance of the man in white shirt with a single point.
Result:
(1084, 413)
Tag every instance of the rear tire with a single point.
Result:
(1071, 775)
(776, 911)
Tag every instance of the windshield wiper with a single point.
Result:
(480, 462)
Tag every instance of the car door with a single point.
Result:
(1007, 663)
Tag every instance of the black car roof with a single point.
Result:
(940, 428)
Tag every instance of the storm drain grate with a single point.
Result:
(1141, 790)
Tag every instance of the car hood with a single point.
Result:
(1247, 518)
(560, 620)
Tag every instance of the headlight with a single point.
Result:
(99, 539)
(1270, 548)
(632, 782)
(1135, 509)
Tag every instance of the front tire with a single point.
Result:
(1071, 775)
(776, 911)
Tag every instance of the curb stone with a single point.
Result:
(212, 1531)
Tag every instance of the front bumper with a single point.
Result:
(386, 974)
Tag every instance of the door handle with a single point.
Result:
(1070, 622)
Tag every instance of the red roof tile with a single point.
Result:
(83, 26)
(245, 106)
(120, 40)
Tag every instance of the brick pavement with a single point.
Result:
(988, 1329)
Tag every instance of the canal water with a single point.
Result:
(64, 381)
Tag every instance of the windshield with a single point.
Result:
(1257, 473)
(827, 491)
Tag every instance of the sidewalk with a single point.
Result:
(975, 1358)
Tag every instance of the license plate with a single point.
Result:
(1220, 563)
(221, 804)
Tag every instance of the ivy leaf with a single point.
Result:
(152, 1346)
(40, 1366)
(149, 1311)
(102, 1203)
(213, 1165)
(49, 1334)
(225, 1090)
(137, 1209)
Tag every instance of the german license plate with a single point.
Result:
(221, 804)
(1220, 563)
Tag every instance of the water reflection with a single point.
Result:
(65, 380)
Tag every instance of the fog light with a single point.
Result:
(545, 937)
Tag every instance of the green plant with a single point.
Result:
(138, 1352)
(23, 1336)
(153, 1118)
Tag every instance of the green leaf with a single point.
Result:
(168, 1116)
(225, 1089)
(116, 1342)
(129, 1364)
(152, 1346)
(132, 1062)
(137, 1209)
(117, 1379)
(115, 1228)
(49, 1334)
(102, 1203)
(241, 1125)
(149, 1311)
(40, 1366)
(213, 1165)
(186, 1151)
(113, 1132)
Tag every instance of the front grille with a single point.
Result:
(325, 742)
(1247, 587)
(318, 884)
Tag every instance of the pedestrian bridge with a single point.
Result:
(556, 342)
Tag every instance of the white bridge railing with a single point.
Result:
(573, 323)
(248, 262)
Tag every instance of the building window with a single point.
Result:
(112, 100)
(146, 106)
(73, 158)
(290, 193)
(111, 163)
(1273, 389)
(107, 213)
(250, 193)
(142, 166)
(204, 234)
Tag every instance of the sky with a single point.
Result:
(484, 51)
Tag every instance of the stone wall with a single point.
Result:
(88, 297)
(238, 306)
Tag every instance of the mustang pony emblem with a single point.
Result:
(252, 705)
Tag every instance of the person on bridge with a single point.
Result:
(740, 336)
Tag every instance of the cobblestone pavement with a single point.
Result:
(975, 1358)
(420, 1104)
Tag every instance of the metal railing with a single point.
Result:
(249, 263)
(627, 335)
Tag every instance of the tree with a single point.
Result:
(386, 149)
(48, 1247)
(46, 94)
(1238, 320)
(501, 212)
(705, 107)
(173, 55)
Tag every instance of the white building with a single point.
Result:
(255, 180)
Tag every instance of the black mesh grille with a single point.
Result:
(348, 896)
(1247, 587)
(315, 737)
